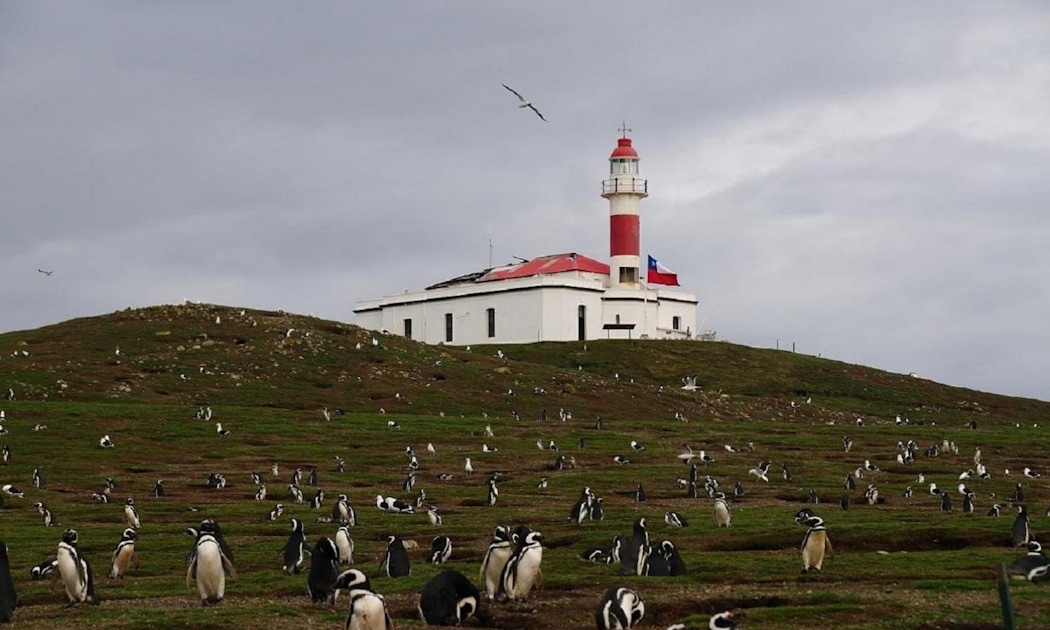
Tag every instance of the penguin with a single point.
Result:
(522, 572)
(367, 611)
(675, 564)
(597, 511)
(620, 608)
(844, 502)
(8, 597)
(582, 508)
(723, 516)
(343, 513)
(311, 480)
(994, 510)
(813, 498)
(493, 492)
(448, 599)
(131, 515)
(1021, 532)
(74, 571)
(324, 569)
(639, 494)
(209, 564)
(721, 621)
(13, 491)
(967, 506)
(440, 550)
(276, 512)
(395, 561)
(815, 544)
(350, 579)
(652, 563)
(1032, 564)
(49, 517)
(344, 544)
(158, 488)
(38, 479)
(44, 569)
(496, 557)
(260, 492)
(639, 540)
(1018, 493)
(433, 517)
(946, 502)
(315, 503)
(674, 519)
(124, 555)
(294, 551)
(738, 490)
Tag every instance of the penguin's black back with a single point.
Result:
(324, 569)
(8, 598)
(440, 596)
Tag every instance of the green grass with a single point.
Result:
(900, 564)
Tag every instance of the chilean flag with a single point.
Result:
(658, 274)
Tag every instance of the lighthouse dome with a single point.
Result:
(623, 149)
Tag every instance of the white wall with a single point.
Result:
(539, 308)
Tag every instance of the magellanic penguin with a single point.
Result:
(324, 569)
(209, 564)
(721, 621)
(629, 554)
(723, 515)
(295, 549)
(522, 572)
(1021, 532)
(448, 599)
(74, 571)
(395, 561)
(367, 611)
(496, 557)
(8, 597)
(344, 544)
(620, 608)
(674, 519)
(124, 555)
(815, 544)
(343, 513)
(131, 515)
(440, 550)
(1032, 566)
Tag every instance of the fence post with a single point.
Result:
(1004, 599)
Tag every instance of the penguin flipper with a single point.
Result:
(228, 565)
(191, 571)
(827, 545)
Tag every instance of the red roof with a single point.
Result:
(557, 263)
(623, 149)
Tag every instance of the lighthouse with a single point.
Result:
(624, 189)
(565, 296)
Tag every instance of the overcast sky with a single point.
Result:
(869, 181)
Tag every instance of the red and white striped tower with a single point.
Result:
(624, 189)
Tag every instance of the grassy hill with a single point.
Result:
(267, 376)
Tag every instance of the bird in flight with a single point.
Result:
(46, 273)
(525, 103)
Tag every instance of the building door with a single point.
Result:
(581, 322)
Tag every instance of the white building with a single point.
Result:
(561, 297)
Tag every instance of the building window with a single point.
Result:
(492, 322)
(448, 327)
(408, 328)
(581, 322)
(676, 322)
(628, 275)
(617, 318)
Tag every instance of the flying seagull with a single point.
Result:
(48, 273)
(525, 103)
